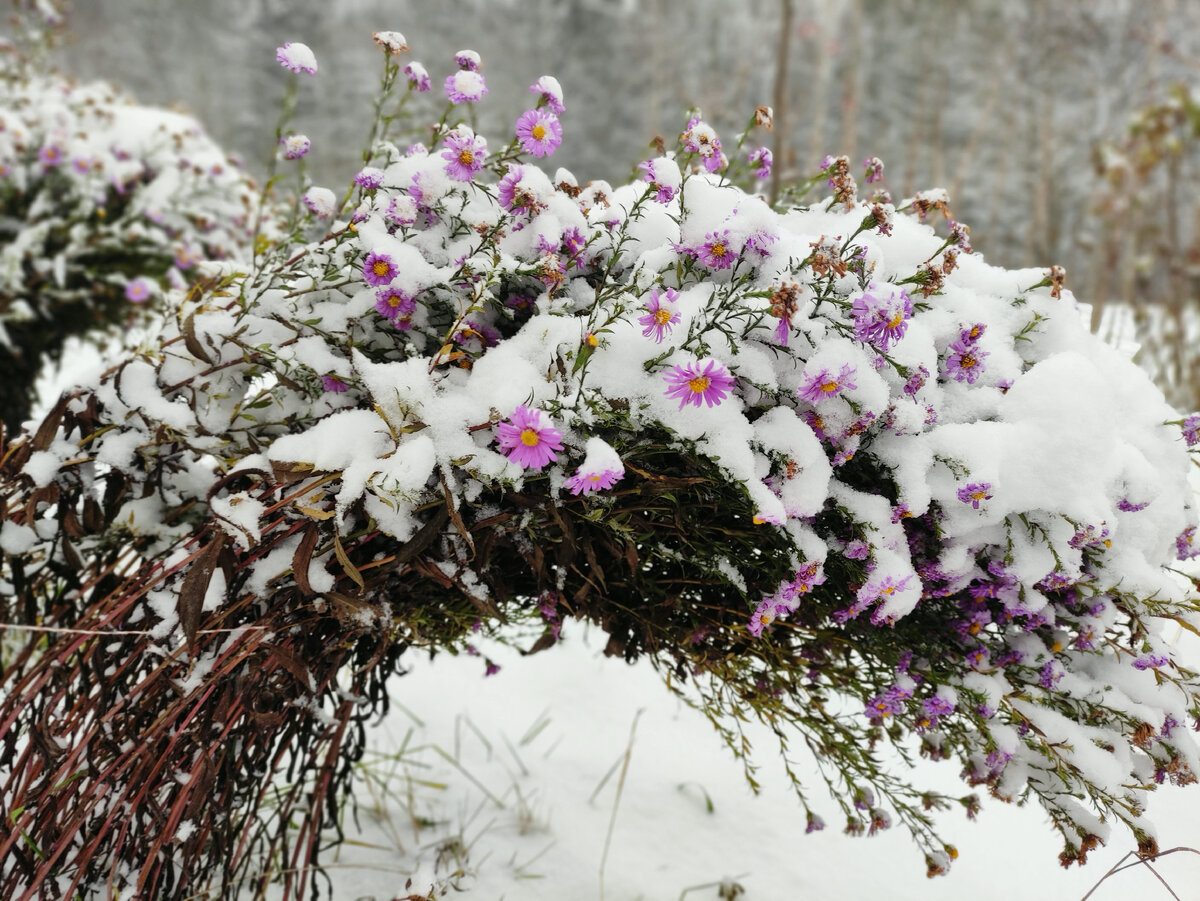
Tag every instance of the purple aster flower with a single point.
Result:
(1150, 661)
(464, 154)
(527, 440)
(765, 614)
(814, 824)
(974, 493)
(1191, 429)
(378, 269)
(539, 132)
(916, 381)
(465, 86)
(333, 384)
(1050, 675)
(890, 703)
(823, 385)
(762, 160)
(965, 363)
(401, 210)
(321, 202)
(660, 177)
(295, 146)
(585, 481)
(661, 315)
(418, 77)
(550, 92)
(393, 303)
(881, 320)
(369, 178)
(705, 381)
(700, 138)
(139, 290)
(50, 155)
(716, 252)
(972, 334)
(297, 57)
(1185, 546)
(874, 167)
(1127, 506)
(857, 550)
(936, 707)
(468, 60)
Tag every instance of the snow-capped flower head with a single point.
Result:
(295, 146)
(140, 290)
(874, 167)
(661, 315)
(601, 469)
(965, 361)
(700, 138)
(464, 154)
(393, 304)
(321, 202)
(378, 269)
(663, 176)
(418, 77)
(297, 58)
(527, 439)
(333, 384)
(550, 92)
(391, 41)
(369, 178)
(705, 381)
(402, 210)
(465, 86)
(975, 493)
(1191, 429)
(717, 251)
(823, 384)
(468, 60)
(539, 132)
(881, 315)
(765, 614)
(762, 160)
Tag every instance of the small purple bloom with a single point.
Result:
(539, 132)
(874, 167)
(965, 363)
(1050, 675)
(550, 92)
(50, 155)
(418, 77)
(333, 384)
(823, 385)
(465, 86)
(295, 146)
(716, 252)
(1125, 505)
(464, 154)
(664, 182)
(916, 381)
(296, 57)
(704, 381)
(378, 269)
(369, 178)
(393, 303)
(1151, 661)
(1185, 546)
(974, 493)
(527, 440)
(139, 290)
(762, 160)
(661, 315)
(880, 318)
(857, 550)
(1191, 429)
(468, 60)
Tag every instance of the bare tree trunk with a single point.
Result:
(780, 98)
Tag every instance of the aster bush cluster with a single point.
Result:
(104, 205)
(819, 463)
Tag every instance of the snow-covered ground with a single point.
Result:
(518, 765)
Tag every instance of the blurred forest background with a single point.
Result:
(1065, 131)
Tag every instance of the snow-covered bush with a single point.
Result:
(104, 205)
(821, 465)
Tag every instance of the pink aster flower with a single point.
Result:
(601, 469)
(393, 303)
(823, 385)
(539, 132)
(333, 384)
(965, 362)
(418, 77)
(369, 178)
(295, 146)
(465, 86)
(378, 268)
(700, 138)
(716, 252)
(50, 155)
(139, 290)
(296, 57)
(661, 315)
(663, 176)
(881, 316)
(527, 440)
(550, 92)
(705, 381)
(464, 154)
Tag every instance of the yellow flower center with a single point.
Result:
(466, 157)
(530, 438)
(718, 249)
(896, 320)
(538, 131)
(979, 495)
(380, 268)
(595, 477)
(829, 387)
(699, 384)
(662, 317)
(394, 300)
(888, 590)
(967, 361)
(592, 340)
